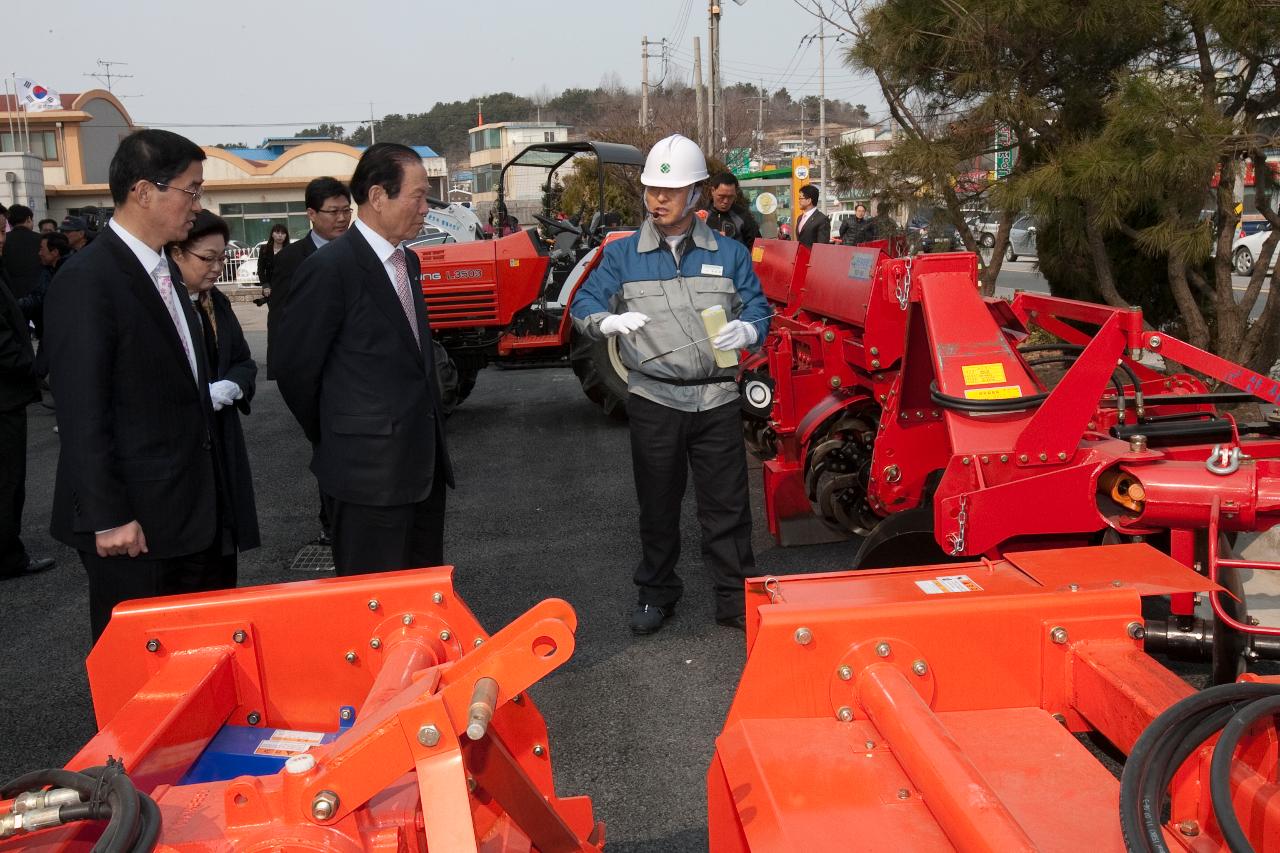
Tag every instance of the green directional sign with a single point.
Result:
(739, 161)
(1004, 150)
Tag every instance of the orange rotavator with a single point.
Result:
(941, 708)
(367, 713)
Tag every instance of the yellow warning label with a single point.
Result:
(757, 254)
(515, 262)
(983, 374)
(1003, 392)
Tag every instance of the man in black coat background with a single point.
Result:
(329, 208)
(727, 212)
(17, 389)
(137, 491)
(354, 364)
(21, 252)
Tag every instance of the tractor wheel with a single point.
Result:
(452, 391)
(603, 376)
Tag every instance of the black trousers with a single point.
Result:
(116, 579)
(665, 444)
(326, 512)
(388, 538)
(13, 489)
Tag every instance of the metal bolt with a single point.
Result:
(1117, 583)
(919, 414)
(375, 643)
(1253, 620)
(1058, 635)
(478, 642)
(1060, 718)
(1023, 457)
(437, 598)
(920, 668)
(1062, 457)
(875, 350)
(870, 744)
(882, 650)
(845, 714)
(904, 794)
(1189, 828)
(804, 636)
(875, 364)
(346, 713)
(239, 636)
(835, 381)
(373, 604)
(902, 415)
(1136, 630)
(325, 805)
(892, 474)
(254, 718)
(153, 645)
(428, 735)
(471, 784)
(539, 750)
(352, 657)
(1004, 457)
(518, 698)
(1075, 587)
(828, 336)
(1091, 425)
(445, 636)
(986, 460)
(408, 619)
(1044, 457)
(845, 673)
(966, 461)
(1137, 443)
(1154, 342)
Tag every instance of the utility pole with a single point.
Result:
(804, 145)
(697, 90)
(105, 76)
(644, 83)
(760, 121)
(373, 133)
(822, 115)
(716, 107)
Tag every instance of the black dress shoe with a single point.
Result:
(739, 622)
(33, 567)
(648, 618)
(324, 539)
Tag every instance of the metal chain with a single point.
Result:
(904, 287)
(956, 540)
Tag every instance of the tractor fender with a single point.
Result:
(828, 407)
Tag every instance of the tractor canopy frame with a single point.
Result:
(552, 155)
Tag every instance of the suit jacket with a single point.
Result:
(817, 229)
(365, 393)
(17, 359)
(136, 427)
(233, 362)
(22, 261)
(284, 266)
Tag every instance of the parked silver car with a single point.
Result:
(1022, 238)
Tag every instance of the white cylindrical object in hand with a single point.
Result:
(713, 320)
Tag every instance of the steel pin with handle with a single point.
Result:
(700, 341)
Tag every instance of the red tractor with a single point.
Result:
(506, 301)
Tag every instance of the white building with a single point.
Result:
(491, 146)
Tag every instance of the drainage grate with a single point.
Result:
(313, 558)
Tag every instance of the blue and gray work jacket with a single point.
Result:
(640, 273)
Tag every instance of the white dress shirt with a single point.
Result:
(381, 248)
(152, 262)
(317, 240)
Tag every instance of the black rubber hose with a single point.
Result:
(1151, 761)
(961, 404)
(133, 819)
(1072, 359)
(1220, 769)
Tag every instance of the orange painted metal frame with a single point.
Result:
(401, 647)
(934, 708)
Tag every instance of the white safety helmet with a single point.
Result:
(674, 162)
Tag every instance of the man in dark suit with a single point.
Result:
(137, 492)
(21, 253)
(354, 363)
(17, 389)
(329, 208)
(813, 226)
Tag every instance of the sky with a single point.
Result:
(237, 71)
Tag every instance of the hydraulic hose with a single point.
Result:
(1220, 769)
(1163, 747)
(961, 404)
(105, 793)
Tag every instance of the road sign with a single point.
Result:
(1004, 153)
(739, 160)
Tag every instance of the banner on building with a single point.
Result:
(35, 98)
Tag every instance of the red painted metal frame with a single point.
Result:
(169, 673)
(927, 721)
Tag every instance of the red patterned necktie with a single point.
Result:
(404, 292)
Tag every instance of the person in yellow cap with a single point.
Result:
(649, 292)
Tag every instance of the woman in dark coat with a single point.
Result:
(232, 373)
(278, 239)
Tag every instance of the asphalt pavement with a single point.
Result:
(544, 507)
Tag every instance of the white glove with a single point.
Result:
(735, 335)
(623, 324)
(223, 393)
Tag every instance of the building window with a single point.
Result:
(486, 178)
(549, 136)
(486, 140)
(44, 143)
(251, 224)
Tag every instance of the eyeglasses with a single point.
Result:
(335, 211)
(208, 259)
(195, 194)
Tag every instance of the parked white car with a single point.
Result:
(1245, 250)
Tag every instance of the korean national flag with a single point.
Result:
(36, 98)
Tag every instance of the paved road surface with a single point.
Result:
(544, 507)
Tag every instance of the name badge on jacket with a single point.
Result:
(712, 269)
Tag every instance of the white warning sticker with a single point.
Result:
(271, 746)
(949, 583)
(290, 734)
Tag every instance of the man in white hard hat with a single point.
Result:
(648, 292)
